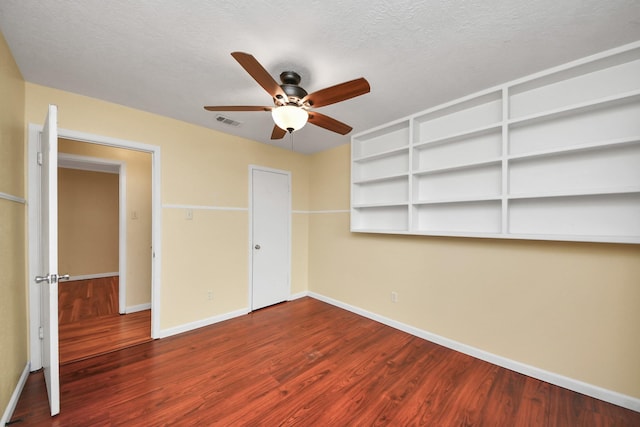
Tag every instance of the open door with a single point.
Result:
(48, 278)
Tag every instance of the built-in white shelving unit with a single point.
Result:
(552, 156)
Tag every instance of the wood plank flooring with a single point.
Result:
(89, 322)
(304, 363)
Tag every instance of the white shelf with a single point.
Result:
(380, 205)
(381, 178)
(628, 97)
(456, 200)
(458, 167)
(483, 130)
(553, 156)
(382, 154)
(578, 147)
(577, 193)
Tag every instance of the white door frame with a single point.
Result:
(251, 243)
(97, 164)
(33, 227)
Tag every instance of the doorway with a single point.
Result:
(95, 249)
(270, 236)
(34, 191)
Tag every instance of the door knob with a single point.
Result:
(40, 279)
(51, 278)
(257, 246)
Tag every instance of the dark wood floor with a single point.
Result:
(304, 363)
(89, 322)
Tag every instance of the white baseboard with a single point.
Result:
(610, 396)
(13, 402)
(298, 295)
(202, 323)
(91, 276)
(135, 308)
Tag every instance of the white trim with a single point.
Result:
(15, 396)
(97, 164)
(322, 212)
(251, 243)
(90, 277)
(610, 396)
(135, 308)
(203, 207)
(33, 228)
(298, 295)
(91, 164)
(201, 323)
(12, 198)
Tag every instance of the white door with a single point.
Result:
(270, 225)
(48, 278)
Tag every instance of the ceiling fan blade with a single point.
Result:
(337, 93)
(260, 75)
(329, 123)
(238, 108)
(278, 133)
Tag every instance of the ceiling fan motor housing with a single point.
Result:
(290, 86)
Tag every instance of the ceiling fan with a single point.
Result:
(292, 104)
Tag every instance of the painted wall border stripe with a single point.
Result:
(322, 212)
(12, 198)
(204, 207)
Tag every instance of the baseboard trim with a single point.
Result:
(91, 276)
(606, 395)
(135, 308)
(13, 402)
(298, 295)
(164, 333)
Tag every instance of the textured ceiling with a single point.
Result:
(173, 57)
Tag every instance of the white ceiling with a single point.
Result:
(173, 57)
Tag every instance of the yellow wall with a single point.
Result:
(199, 167)
(87, 222)
(13, 300)
(568, 308)
(138, 199)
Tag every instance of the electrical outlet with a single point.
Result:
(394, 296)
(189, 214)
(209, 295)
(134, 214)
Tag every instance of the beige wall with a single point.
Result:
(13, 300)
(568, 308)
(87, 222)
(199, 167)
(138, 187)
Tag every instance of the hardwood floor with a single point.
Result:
(304, 363)
(89, 322)
(87, 299)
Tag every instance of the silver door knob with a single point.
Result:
(40, 279)
(257, 246)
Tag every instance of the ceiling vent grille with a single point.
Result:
(227, 120)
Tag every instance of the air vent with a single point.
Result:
(227, 120)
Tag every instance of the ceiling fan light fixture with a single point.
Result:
(290, 117)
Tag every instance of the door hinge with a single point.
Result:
(40, 333)
(39, 158)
